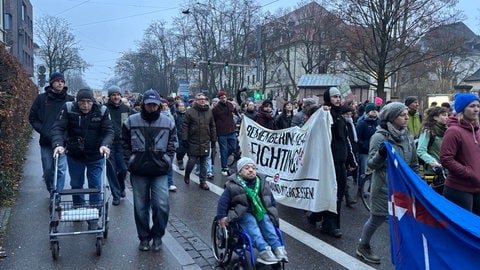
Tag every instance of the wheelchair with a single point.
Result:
(233, 240)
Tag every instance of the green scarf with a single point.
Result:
(257, 206)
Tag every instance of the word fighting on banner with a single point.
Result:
(296, 162)
(427, 231)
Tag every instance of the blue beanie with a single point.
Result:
(462, 100)
(56, 76)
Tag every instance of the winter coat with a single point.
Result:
(83, 134)
(45, 110)
(223, 115)
(234, 203)
(341, 148)
(251, 114)
(405, 148)
(414, 124)
(299, 119)
(366, 127)
(265, 119)
(179, 118)
(459, 154)
(149, 146)
(118, 113)
(283, 121)
(199, 131)
(429, 153)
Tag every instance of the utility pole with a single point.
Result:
(259, 52)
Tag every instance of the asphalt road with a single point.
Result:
(27, 240)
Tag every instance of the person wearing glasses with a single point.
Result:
(83, 130)
(43, 112)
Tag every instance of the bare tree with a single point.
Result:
(383, 35)
(58, 47)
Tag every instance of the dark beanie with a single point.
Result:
(114, 89)
(370, 107)
(56, 76)
(266, 102)
(346, 109)
(409, 100)
(85, 93)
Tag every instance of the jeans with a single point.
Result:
(228, 146)
(362, 168)
(209, 166)
(170, 176)
(262, 232)
(192, 160)
(467, 200)
(119, 165)
(94, 169)
(150, 193)
(48, 165)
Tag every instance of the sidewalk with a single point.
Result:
(26, 240)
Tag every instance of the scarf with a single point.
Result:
(438, 129)
(397, 135)
(354, 131)
(258, 209)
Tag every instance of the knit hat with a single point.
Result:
(462, 100)
(215, 100)
(221, 93)
(378, 101)
(409, 100)
(391, 111)
(85, 93)
(346, 109)
(333, 91)
(370, 107)
(266, 102)
(114, 89)
(56, 76)
(309, 102)
(151, 96)
(244, 161)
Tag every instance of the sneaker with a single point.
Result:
(365, 252)
(157, 244)
(225, 171)
(281, 254)
(123, 194)
(116, 201)
(144, 245)
(172, 188)
(210, 175)
(267, 257)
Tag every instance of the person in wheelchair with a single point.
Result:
(248, 201)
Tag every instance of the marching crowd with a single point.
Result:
(145, 139)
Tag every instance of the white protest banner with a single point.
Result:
(297, 162)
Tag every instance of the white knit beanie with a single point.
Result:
(244, 161)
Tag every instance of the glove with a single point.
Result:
(382, 150)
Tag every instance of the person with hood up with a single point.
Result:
(343, 158)
(148, 140)
(460, 152)
(264, 115)
(43, 113)
(392, 129)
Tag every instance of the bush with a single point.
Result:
(17, 92)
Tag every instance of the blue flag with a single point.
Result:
(427, 231)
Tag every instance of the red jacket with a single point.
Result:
(459, 154)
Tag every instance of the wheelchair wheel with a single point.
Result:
(220, 247)
(365, 191)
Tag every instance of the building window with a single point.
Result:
(24, 11)
(8, 21)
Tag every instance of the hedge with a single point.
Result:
(17, 92)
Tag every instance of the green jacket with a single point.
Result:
(414, 124)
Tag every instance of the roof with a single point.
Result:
(474, 77)
(328, 80)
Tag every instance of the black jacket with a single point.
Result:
(45, 110)
(83, 134)
(118, 113)
(283, 121)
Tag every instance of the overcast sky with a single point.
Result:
(106, 28)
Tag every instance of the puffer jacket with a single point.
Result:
(149, 147)
(84, 133)
(459, 154)
(199, 130)
(405, 148)
(234, 203)
(45, 110)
